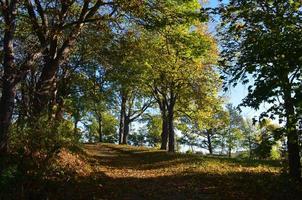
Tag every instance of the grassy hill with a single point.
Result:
(107, 171)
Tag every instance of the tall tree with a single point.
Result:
(8, 10)
(233, 131)
(183, 64)
(57, 33)
(128, 77)
(265, 139)
(211, 123)
(262, 39)
(250, 132)
(14, 70)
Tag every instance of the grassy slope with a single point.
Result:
(123, 172)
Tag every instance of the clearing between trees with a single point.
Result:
(108, 171)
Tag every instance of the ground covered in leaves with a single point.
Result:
(107, 171)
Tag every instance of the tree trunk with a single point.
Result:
(6, 112)
(229, 140)
(122, 118)
(230, 151)
(192, 148)
(222, 145)
(59, 115)
(171, 146)
(75, 130)
(45, 87)
(209, 139)
(165, 130)
(292, 136)
(100, 121)
(250, 146)
(126, 130)
(56, 51)
(293, 154)
(7, 101)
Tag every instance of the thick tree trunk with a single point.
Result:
(292, 137)
(6, 111)
(126, 130)
(293, 154)
(7, 102)
(209, 139)
(165, 130)
(171, 146)
(122, 118)
(45, 87)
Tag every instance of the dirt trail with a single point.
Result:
(137, 173)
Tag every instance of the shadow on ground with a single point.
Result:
(146, 159)
(182, 184)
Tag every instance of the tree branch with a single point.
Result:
(36, 27)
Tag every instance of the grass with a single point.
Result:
(107, 171)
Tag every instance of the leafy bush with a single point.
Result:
(42, 135)
(37, 142)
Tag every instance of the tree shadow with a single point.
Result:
(145, 159)
(176, 187)
(122, 158)
(201, 186)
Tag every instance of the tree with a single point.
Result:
(153, 126)
(250, 132)
(266, 139)
(52, 29)
(57, 33)
(128, 77)
(13, 72)
(233, 132)
(8, 11)
(262, 39)
(183, 59)
(189, 134)
(109, 128)
(210, 117)
(205, 122)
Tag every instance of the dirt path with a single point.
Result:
(127, 173)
